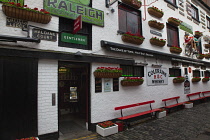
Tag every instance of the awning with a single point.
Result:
(17, 38)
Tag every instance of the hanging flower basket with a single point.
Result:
(200, 56)
(175, 49)
(196, 79)
(107, 72)
(207, 46)
(174, 21)
(132, 81)
(132, 38)
(133, 3)
(205, 79)
(178, 79)
(158, 42)
(155, 24)
(207, 55)
(20, 12)
(198, 34)
(154, 11)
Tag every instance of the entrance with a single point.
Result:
(73, 103)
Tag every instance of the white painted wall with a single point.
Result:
(47, 84)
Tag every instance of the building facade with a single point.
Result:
(47, 69)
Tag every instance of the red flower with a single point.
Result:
(36, 9)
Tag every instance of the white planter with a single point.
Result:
(107, 131)
(188, 105)
(161, 114)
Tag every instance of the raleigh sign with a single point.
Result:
(69, 9)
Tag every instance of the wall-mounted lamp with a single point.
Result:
(156, 65)
(141, 63)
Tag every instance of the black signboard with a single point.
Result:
(115, 84)
(44, 34)
(98, 85)
(16, 23)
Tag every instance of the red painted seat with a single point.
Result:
(206, 92)
(194, 95)
(172, 105)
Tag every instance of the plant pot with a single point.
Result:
(155, 13)
(128, 83)
(205, 80)
(207, 46)
(157, 42)
(197, 34)
(173, 22)
(196, 80)
(133, 3)
(178, 80)
(173, 50)
(200, 57)
(107, 131)
(207, 56)
(156, 25)
(161, 114)
(25, 14)
(133, 40)
(107, 74)
(188, 105)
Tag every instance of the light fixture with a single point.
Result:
(156, 65)
(141, 63)
(78, 53)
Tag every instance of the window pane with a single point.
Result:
(122, 20)
(174, 72)
(196, 73)
(139, 71)
(172, 36)
(206, 74)
(127, 70)
(133, 23)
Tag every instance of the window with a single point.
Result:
(206, 74)
(196, 73)
(208, 22)
(172, 2)
(194, 12)
(174, 72)
(66, 26)
(172, 35)
(132, 71)
(129, 20)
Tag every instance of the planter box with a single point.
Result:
(132, 40)
(133, 3)
(155, 13)
(127, 83)
(178, 80)
(156, 25)
(207, 45)
(173, 50)
(188, 105)
(107, 131)
(161, 114)
(107, 74)
(157, 42)
(173, 22)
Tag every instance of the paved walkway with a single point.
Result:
(185, 124)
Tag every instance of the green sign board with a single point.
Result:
(69, 9)
(71, 38)
(15, 1)
(84, 2)
(186, 27)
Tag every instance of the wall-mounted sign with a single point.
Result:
(107, 84)
(98, 85)
(16, 23)
(69, 9)
(186, 85)
(44, 34)
(71, 38)
(157, 76)
(115, 84)
(15, 1)
(155, 33)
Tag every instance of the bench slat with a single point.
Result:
(171, 98)
(193, 94)
(133, 105)
(170, 106)
(138, 114)
(197, 99)
(206, 92)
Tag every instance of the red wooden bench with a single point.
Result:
(206, 92)
(167, 100)
(150, 111)
(194, 95)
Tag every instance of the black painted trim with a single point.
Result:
(49, 136)
(42, 54)
(17, 38)
(157, 54)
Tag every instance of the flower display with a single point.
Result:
(196, 79)
(175, 19)
(106, 124)
(155, 38)
(133, 79)
(156, 24)
(109, 69)
(205, 79)
(198, 33)
(175, 49)
(156, 9)
(132, 38)
(25, 7)
(179, 79)
(207, 55)
(200, 56)
(138, 36)
(31, 138)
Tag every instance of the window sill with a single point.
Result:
(172, 4)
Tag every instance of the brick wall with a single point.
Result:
(47, 84)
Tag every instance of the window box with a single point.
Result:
(200, 56)
(131, 38)
(174, 21)
(179, 79)
(175, 50)
(205, 79)
(196, 79)
(132, 81)
(198, 34)
(107, 72)
(158, 42)
(207, 46)
(154, 11)
(133, 3)
(207, 55)
(155, 24)
(24, 13)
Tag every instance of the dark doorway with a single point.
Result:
(18, 97)
(73, 95)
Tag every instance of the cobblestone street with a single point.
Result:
(185, 124)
